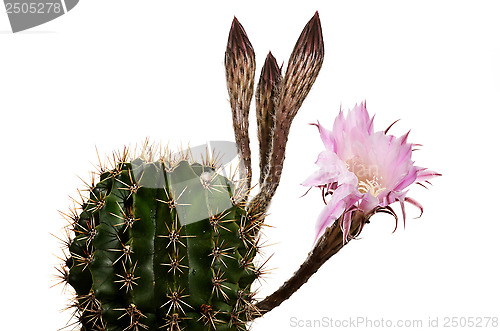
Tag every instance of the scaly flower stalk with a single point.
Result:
(327, 246)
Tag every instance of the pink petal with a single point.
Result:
(358, 118)
(401, 199)
(416, 204)
(402, 203)
(330, 213)
(408, 179)
(424, 174)
(342, 198)
(338, 133)
(327, 138)
(332, 170)
(346, 226)
(368, 202)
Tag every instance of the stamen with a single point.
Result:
(364, 172)
(372, 186)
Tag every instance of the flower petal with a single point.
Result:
(346, 226)
(342, 198)
(358, 118)
(424, 174)
(416, 204)
(368, 202)
(327, 137)
(332, 170)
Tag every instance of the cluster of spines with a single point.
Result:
(110, 259)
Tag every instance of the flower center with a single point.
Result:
(372, 186)
(368, 179)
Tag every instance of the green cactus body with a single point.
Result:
(162, 246)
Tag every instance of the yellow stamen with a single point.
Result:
(372, 186)
(364, 173)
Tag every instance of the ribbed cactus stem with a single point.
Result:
(161, 244)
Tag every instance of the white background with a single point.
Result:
(111, 73)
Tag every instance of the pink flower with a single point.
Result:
(363, 170)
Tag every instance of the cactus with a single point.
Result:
(163, 242)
